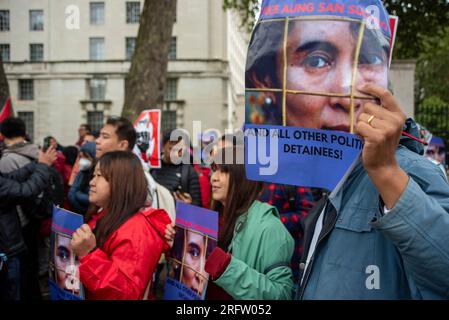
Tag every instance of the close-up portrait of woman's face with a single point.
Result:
(193, 275)
(66, 265)
(320, 64)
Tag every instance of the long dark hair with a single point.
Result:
(128, 191)
(240, 196)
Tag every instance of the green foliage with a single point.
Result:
(418, 20)
(433, 113)
(247, 10)
(432, 71)
(431, 103)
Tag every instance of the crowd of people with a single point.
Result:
(265, 240)
(100, 174)
(382, 234)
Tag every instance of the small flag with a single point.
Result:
(6, 110)
(394, 21)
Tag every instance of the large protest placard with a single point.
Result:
(306, 62)
(64, 280)
(196, 237)
(148, 129)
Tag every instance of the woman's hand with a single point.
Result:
(83, 241)
(184, 197)
(170, 233)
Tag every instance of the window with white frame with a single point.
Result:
(26, 89)
(28, 118)
(5, 52)
(132, 12)
(172, 53)
(36, 20)
(96, 48)
(95, 119)
(97, 13)
(4, 20)
(97, 89)
(130, 47)
(36, 52)
(171, 89)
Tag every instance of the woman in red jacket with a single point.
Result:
(119, 256)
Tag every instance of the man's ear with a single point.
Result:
(123, 145)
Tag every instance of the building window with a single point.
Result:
(4, 52)
(130, 46)
(171, 89)
(132, 12)
(168, 120)
(36, 52)
(172, 52)
(26, 89)
(97, 13)
(96, 46)
(28, 118)
(97, 89)
(36, 20)
(4, 20)
(95, 119)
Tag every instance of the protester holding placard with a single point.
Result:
(320, 73)
(293, 204)
(121, 245)
(255, 249)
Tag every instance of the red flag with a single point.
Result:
(394, 21)
(6, 111)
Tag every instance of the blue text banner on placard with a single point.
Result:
(299, 156)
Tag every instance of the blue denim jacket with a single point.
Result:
(408, 248)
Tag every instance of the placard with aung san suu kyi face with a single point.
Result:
(306, 61)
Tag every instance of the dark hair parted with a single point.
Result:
(240, 196)
(128, 191)
(124, 130)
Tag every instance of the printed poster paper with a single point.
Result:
(64, 280)
(196, 237)
(305, 61)
(148, 129)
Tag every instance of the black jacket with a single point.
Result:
(181, 177)
(15, 188)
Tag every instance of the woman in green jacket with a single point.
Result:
(252, 260)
